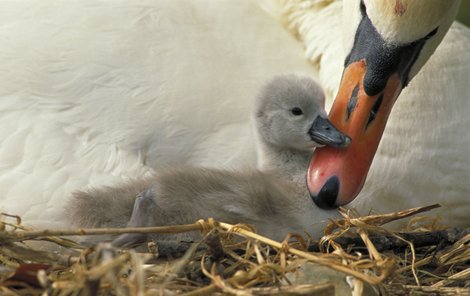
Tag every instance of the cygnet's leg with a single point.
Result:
(142, 216)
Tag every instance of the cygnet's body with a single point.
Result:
(289, 122)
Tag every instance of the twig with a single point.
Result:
(322, 260)
(387, 218)
(426, 290)
(322, 289)
(177, 269)
(391, 242)
(463, 275)
(207, 290)
(14, 250)
(25, 235)
(98, 271)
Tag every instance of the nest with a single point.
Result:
(234, 260)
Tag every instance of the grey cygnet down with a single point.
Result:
(289, 122)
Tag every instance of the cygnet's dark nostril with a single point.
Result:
(326, 198)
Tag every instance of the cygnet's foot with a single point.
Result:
(142, 216)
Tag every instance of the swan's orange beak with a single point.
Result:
(336, 176)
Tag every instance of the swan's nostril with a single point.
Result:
(326, 198)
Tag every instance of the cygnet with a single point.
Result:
(289, 122)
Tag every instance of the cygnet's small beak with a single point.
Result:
(324, 132)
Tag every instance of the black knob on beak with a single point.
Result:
(326, 198)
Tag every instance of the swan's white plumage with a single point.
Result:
(95, 91)
(317, 24)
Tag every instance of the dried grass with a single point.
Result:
(234, 260)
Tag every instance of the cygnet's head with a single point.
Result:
(289, 112)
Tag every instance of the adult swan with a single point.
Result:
(423, 156)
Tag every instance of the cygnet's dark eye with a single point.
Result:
(297, 111)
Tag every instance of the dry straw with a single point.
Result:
(235, 260)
